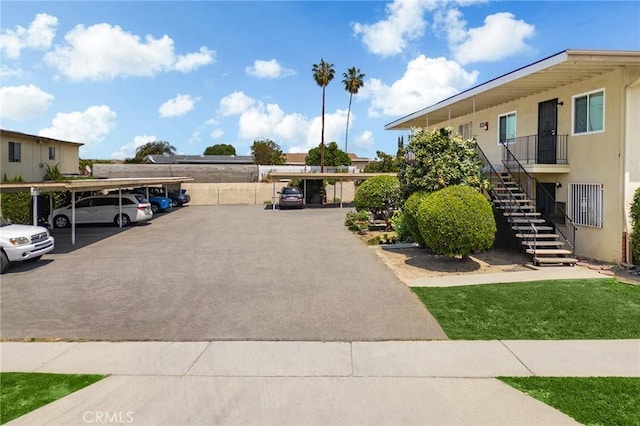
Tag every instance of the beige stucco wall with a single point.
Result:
(35, 157)
(610, 158)
(250, 192)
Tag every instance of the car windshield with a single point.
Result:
(141, 199)
(291, 190)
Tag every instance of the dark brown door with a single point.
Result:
(547, 125)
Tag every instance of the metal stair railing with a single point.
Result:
(554, 212)
(514, 205)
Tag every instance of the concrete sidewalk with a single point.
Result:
(249, 382)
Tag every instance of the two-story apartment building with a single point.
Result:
(27, 155)
(567, 129)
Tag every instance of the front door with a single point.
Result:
(547, 125)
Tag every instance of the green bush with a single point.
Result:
(17, 207)
(357, 222)
(411, 207)
(378, 195)
(635, 223)
(400, 225)
(456, 221)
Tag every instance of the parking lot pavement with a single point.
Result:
(205, 273)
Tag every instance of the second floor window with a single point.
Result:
(507, 127)
(14, 152)
(588, 112)
(52, 153)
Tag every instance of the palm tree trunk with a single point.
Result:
(322, 137)
(346, 135)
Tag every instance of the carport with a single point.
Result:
(82, 185)
(340, 177)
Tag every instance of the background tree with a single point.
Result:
(220, 149)
(322, 73)
(384, 164)
(353, 81)
(154, 148)
(378, 195)
(440, 159)
(333, 156)
(266, 152)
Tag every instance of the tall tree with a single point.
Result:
(353, 81)
(323, 74)
(154, 148)
(334, 156)
(220, 149)
(266, 151)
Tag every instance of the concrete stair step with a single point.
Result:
(549, 252)
(515, 220)
(530, 229)
(527, 214)
(537, 236)
(555, 260)
(508, 200)
(536, 243)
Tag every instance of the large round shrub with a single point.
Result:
(456, 221)
(410, 210)
(378, 195)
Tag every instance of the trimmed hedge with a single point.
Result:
(457, 220)
(378, 195)
(410, 210)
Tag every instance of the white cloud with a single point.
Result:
(7, 73)
(129, 150)
(258, 120)
(177, 106)
(192, 61)
(425, 82)
(90, 126)
(23, 102)
(235, 103)
(365, 140)
(404, 23)
(500, 36)
(217, 133)
(268, 69)
(39, 35)
(103, 51)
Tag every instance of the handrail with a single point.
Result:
(527, 149)
(514, 204)
(554, 210)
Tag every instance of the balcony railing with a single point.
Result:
(547, 149)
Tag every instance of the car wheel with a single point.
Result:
(4, 262)
(125, 220)
(175, 203)
(61, 221)
(155, 208)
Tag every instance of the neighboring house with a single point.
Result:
(27, 155)
(199, 159)
(568, 126)
(298, 159)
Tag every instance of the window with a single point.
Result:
(586, 204)
(465, 130)
(14, 152)
(52, 153)
(507, 126)
(588, 112)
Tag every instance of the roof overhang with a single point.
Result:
(90, 184)
(36, 137)
(564, 68)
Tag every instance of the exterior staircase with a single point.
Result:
(535, 233)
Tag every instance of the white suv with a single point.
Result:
(104, 209)
(22, 242)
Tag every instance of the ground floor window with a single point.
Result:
(465, 130)
(586, 204)
(52, 153)
(14, 152)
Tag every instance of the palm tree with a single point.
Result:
(353, 81)
(322, 73)
(154, 148)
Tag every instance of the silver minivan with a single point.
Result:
(104, 209)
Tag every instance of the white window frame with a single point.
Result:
(15, 152)
(586, 204)
(464, 129)
(573, 111)
(515, 130)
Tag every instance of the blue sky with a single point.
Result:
(115, 75)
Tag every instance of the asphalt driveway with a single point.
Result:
(213, 273)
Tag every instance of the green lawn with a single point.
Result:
(589, 400)
(21, 393)
(557, 309)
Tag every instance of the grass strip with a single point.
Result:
(539, 310)
(588, 400)
(21, 393)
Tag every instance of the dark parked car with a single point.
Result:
(178, 198)
(290, 196)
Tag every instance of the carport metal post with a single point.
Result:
(120, 206)
(73, 218)
(34, 197)
(273, 196)
(341, 193)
